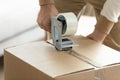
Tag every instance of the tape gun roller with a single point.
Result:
(62, 27)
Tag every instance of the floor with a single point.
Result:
(1, 69)
(1, 74)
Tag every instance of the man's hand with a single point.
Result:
(44, 16)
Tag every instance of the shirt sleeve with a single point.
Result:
(111, 10)
(46, 1)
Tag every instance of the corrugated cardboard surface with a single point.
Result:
(40, 61)
(104, 58)
(96, 52)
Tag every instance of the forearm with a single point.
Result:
(44, 2)
(104, 25)
(102, 29)
(109, 16)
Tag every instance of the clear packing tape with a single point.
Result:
(70, 23)
(63, 26)
(70, 27)
(100, 72)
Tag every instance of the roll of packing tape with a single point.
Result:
(69, 22)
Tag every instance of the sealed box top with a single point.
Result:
(45, 58)
(95, 53)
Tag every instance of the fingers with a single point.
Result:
(44, 25)
(46, 28)
(44, 16)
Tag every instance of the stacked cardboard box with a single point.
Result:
(40, 61)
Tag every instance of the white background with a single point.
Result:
(18, 22)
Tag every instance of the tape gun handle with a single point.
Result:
(56, 28)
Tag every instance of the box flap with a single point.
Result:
(94, 52)
(45, 58)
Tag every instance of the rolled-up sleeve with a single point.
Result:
(111, 10)
(46, 1)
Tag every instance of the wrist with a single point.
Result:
(98, 35)
(104, 25)
(100, 31)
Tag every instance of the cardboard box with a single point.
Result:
(40, 61)
(105, 59)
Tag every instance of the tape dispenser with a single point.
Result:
(62, 27)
